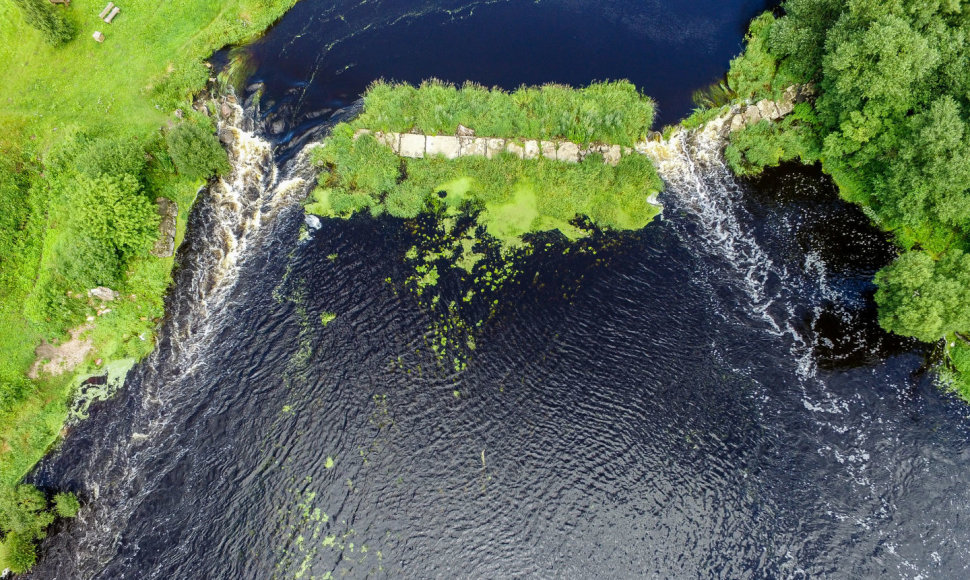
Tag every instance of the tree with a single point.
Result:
(923, 298)
(196, 151)
(42, 16)
(66, 504)
(113, 210)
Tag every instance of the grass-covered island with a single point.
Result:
(490, 171)
(891, 125)
(91, 136)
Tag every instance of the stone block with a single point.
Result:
(412, 145)
(443, 145)
(612, 154)
(531, 149)
(493, 147)
(392, 140)
(548, 149)
(751, 115)
(515, 148)
(568, 152)
(768, 110)
(472, 146)
(737, 122)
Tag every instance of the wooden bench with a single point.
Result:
(114, 12)
(64, 2)
(106, 10)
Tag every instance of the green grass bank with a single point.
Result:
(89, 138)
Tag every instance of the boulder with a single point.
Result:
(312, 221)
(531, 149)
(443, 145)
(768, 110)
(103, 293)
(515, 148)
(464, 131)
(412, 145)
(568, 152)
(227, 136)
(494, 147)
(472, 146)
(168, 211)
(751, 115)
(611, 154)
(548, 149)
(737, 122)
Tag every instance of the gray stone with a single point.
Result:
(412, 145)
(531, 149)
(464, 131)
(443, 145)
(227, 136)
(568, 152)
(312, 221)
(612, 154)
(103, 293)
(751, 115)
(168, 211)
(548, 149)
(473, 146)
(768, 110)
(494, 147)
(516, 149)
(277, 127)
(737, 122)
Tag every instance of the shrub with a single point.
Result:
(55, 27)
(113, 210)
(17, 553)
(196, 151)
(66, 504)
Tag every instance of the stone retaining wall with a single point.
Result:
(417, 146)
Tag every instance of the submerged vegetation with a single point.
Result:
(474, 215)
(90, 136)
(891, 125)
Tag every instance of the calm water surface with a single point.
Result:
(710, 397)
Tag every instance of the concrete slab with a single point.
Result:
(568, 152)
(531, 149)
(472, 146)
(515, 148)
(392, 140)
(412, 145)
(494, 147)
(612, 154)
(443, 145)
(548, 149)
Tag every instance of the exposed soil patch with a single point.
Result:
(56, 359)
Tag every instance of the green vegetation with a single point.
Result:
(83, 157)
(473, 218)
(607, 112)
(891, 125)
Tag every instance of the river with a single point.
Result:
(708, 397)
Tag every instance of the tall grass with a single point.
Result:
(612, 112)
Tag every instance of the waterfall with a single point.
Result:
(233, 217)
(699, 183)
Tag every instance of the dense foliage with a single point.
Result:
(195, 151)
(891, 124)
(607, 112)
(51, 22)
(511, 196)
(24, 516)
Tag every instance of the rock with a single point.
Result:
(168, 211)
(612, 154)
(473, 146)
(277, 127)
(751, 115)
(788, 99)
(312, 221)
(531, 149)
(737, 122)
(805, 93)
(494, 147)
(515, 149)
(254, 87)
(548, 149)
(226, 110)
(226, 136)
(464, 131)
(443, 145)
(179, 114)
(568, 152)
(768, 110)
(412, 146)
(103, 293)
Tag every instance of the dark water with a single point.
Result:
(675, 412)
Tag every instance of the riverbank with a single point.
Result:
(81, 121)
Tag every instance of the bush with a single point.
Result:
(196, 151)
(53, 25)
(66, 504)
(113, 210)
